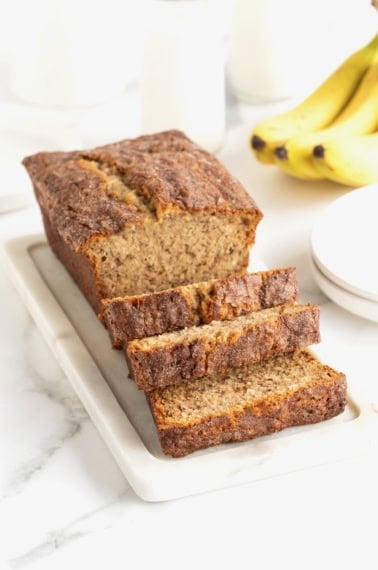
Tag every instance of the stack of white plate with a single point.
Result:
(344, 252)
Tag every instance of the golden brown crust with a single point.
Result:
(174, 173)
(296, 410)
(141, 316)
(74, 196)
(127, 318)
(166, 170)
(235, 296)
(77, 264)
(322, 397)
(170, 362)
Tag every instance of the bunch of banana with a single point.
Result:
(345, 105)
(359, 116)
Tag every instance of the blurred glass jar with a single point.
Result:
(182, 73)
(284, 49)
(73, 52)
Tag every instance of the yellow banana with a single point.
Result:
(349, 160)
(318, 110)
(359, 117)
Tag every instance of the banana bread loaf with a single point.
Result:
(143, 215)
(247, 402)
(190, 353)
(127, 318)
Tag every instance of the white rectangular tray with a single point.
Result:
(99, 375)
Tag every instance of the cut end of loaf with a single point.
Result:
(175, 250)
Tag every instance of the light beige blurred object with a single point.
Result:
(73, 53)
(23, 132)
(284, 49)
(182, 76)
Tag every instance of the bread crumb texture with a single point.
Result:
(241, 387)
(194, 352)
(244, 403)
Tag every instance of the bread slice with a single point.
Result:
(247, 402)
(140, 316)
(190, 353)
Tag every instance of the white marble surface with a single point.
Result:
(64, 503)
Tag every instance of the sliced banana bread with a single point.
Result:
(190, 353)
(247, 402)
(143, 215)
(127, 318)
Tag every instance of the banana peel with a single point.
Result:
(352, 160)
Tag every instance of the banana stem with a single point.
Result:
(281, 153)
(257, 143)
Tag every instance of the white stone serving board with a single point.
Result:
(99, 376)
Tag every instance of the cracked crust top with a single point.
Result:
(98, 192)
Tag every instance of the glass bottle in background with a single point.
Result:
(285, 49)
(182, 72)
(73, 53)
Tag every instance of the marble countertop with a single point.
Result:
(64, 503)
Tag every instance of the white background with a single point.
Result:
(64, 503)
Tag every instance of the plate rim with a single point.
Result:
(317, 230)
(343, 297)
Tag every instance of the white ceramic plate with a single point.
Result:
(23, 133)
(100, 377)
(353, 303)
(344, 242)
